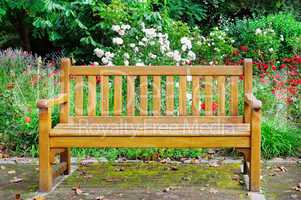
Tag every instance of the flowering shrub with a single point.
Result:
(143, 46)
(267, 38)
(25, 78)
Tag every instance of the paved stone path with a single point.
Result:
(153, 181)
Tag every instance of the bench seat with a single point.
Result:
(150, 129)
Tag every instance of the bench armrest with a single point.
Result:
(253, 102)
(48, 103)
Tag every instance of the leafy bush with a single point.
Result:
(24, 79)
(266, 38)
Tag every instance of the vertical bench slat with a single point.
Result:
(143, 95)
(130, 106)
(248, 71)
(234, 96)
(208, 95)
(221, 95)
(169, 95)
(117, 95)
(78, 101)
(156, 95)
(65, 88)
(182, 95)
(92, 95)
(196, 95)
(105, 88)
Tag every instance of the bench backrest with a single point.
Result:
(156, 90)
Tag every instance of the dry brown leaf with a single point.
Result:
(77, 190)
(38, 198)
(212, 191)
(18, 196)
(100, 198)
(173, 168)
(16, 180)
(236, 178)
(11, 172)
(214, 164)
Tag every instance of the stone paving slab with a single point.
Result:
(138, 180)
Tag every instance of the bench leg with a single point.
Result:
(255, 169)
(66, 157)
(45, 169)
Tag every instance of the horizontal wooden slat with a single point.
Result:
(192, 142)
(148, 132)
(158, 70)
(155, 126)
(157, 119)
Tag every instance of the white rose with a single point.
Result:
(136, 49)
(118, 41)
(132, 45)
(184, 48)
(99, 52)
(169, 54)
(152, 56)
(109, 55)
(126, 55)
(258, 31)
(176, 56)
(126, 63)
(140, 64)
(105, 60)
(121, 32)
(116, 28)
(191, 55)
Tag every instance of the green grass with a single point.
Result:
(279, 139)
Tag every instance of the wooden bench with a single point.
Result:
(152, 110)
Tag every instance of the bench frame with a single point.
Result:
(49, 147)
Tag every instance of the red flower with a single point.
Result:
(274, 68)
(203, 106)
(241, 77)
(214, 106)
(282, 66)
(27, 119)
(243, 48)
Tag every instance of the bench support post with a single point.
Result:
(65, 156)
(255, 151)
(45, 183)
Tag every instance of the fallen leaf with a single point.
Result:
(186, 178)
(11, 172)
(77, 190)
(167, 189)
(38, 198)
(195, 161)
(214, 164)
(18, 196)
(212, 191)
(236, 178)
(282, 168)
(297, 188)
(3, 167)
(100, 198)
(119, 169)
(173, 168)
(16, 180)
